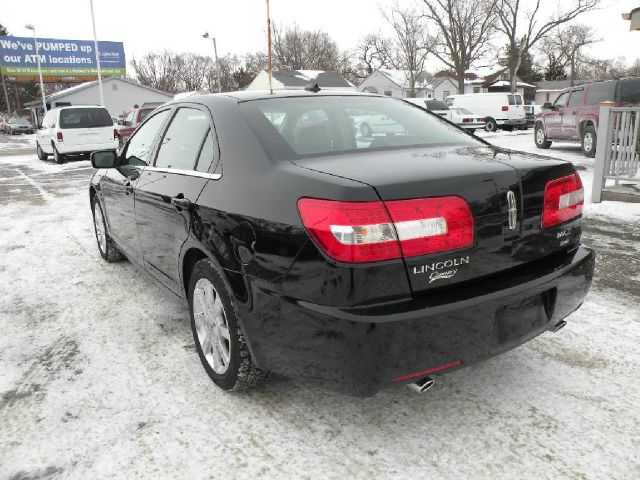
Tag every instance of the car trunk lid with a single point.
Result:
(483, 177)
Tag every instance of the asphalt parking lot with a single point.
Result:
(99, 376)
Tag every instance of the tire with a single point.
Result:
(365, 130)
(589, 142)
(507, 128)
(540, 137)
(106, 247)
(57, 157)
(491, 125)
(214, 317)
(40, 152)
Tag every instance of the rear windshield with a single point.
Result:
(629, 91)
(85, 118)
(19, 121)
(306, 126)
(436, 105)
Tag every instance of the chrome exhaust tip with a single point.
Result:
(422, 385)
(559, 326)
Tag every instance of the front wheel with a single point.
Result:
(107, 248)
(589, 142)
(541, 138)
(40, 152)
(214, 323)
(491, 125)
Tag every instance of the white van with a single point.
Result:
(75, 130)
(501, 110)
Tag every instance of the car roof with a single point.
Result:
(248, 95)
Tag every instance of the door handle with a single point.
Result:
(181, 202)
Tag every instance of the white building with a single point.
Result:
(443, 87)
(299, 79)
(119, 93)
(395, 83)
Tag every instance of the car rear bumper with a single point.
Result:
(86, 148)
(362, 350)
(519, 121)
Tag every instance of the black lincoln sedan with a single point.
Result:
(305, 248)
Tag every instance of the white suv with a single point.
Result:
(76, 130)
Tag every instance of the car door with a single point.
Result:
(168, 190)
(553, 119)
(570, 116)
(118, 184)
(43, 137)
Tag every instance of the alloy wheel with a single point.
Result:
(211, 324)
(101, 230)
(587, 143)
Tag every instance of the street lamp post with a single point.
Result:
(29, 26)
(97, 50)
(215, 52)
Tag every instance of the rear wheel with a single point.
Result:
(541, 138)
(40, 152)
(107, 248)
(214, 322)
(57, 156)
(491, 125)
(589, 141)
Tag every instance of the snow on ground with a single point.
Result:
(99, 377)
(10, 142)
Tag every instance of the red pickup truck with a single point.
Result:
(131, 118)
(573, 117)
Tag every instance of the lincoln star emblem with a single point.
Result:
(512, 209)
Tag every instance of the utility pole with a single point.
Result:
(269, 49)
(97, 50)
(29, 26)
(4, 90)
(215, 52)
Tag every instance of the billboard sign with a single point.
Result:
(61, 60)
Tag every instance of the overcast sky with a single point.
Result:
(240, 25)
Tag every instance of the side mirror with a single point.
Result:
(120, 122)
(103, 159)
(547, 106)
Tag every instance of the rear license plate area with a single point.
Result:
(515, 321)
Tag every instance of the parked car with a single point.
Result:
(369, 124)
(574, 116)
(531, 111)
(467, 120)
(76, 130)
(501, 110)
(305, 249)
(18, 125)
(436, 106)
(3, 124)
(131, 118)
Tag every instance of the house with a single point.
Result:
(119, 93)
(634, 17)
(548, 90)
(443, 87)
(395, 83)
(298, 79)
(499, 82)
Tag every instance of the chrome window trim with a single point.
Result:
(179, 171)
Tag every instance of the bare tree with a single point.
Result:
(193, 70)
(296, 49)
(568, 44)
(464, 31)
(158, 70)
(373, 52)
(411, 43)
(524, 28)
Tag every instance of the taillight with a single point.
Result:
(431, 225)
(350, 231)
(59, 136)
(466, 120)
(563, 200)
(364, 232)
(505, 109)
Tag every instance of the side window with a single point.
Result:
(181, 142)
(601, 92)
(129, 119)
(519, 100)
(139, 147)
(512, 100)
(576, 98)
(208, 157)
(561, 101)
